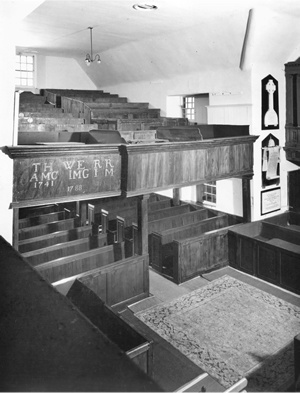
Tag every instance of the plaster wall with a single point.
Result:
(259, 72)
(61, 73)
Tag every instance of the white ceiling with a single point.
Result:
(60, 27)
(180, 36)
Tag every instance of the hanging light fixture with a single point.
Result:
(89, 57)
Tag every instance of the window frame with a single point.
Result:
(18, 69)
(188, 107)
(210, 193)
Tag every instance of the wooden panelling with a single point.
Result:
(75, 264)
(44, 229)
(177, 220)
(120, 281)
(198, 255)
(44, 174)
(54, 238)
(267, 250)
(136, 347)
(167, 165)
(61, 250)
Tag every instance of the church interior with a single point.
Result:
(150, 196)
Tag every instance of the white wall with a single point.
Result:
(61, 73)
(259, 72)
(214, 81)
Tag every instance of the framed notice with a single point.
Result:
(270, 201)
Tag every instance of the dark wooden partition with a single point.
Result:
(149, 168)
(268, 251)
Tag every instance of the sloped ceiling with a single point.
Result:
(180, 36)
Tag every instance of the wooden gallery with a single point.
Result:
(150, 196)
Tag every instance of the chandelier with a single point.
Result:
(89, 57)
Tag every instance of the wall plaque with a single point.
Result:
(270, 201)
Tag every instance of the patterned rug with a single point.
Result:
(232, 330)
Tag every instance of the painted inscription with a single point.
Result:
(58, 177)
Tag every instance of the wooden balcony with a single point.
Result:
(59, 172)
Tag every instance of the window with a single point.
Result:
(189, 108)
(24, 70)
(210, 193)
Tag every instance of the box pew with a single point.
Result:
(177, 220)
(194, 256)
(120, 282)
(268, 251)
(50, 239)
(158, 205)
(160, 244)
(169, 211)
(43, 229)
(44, 218)
(113, 326)
(286, 219)
(37, 211)
(72, 265)
(65, 249)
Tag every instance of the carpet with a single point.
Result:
(232, 330)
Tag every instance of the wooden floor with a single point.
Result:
(171, 368)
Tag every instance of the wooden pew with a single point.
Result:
(179, 134)
(177, 221)
(50, 239)
(37, 211)
(188, 258)
(286, 233)
(160, 244)
(44, 219)
(43, 229)
(266, 250)
(113, 326)
(61, 250)
(119, 282)
(159, 205)
(169, 211)
(72, 265)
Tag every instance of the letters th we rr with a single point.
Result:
(44, 174)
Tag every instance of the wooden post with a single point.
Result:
(246, 199)
(83, 213)
(176, 196)
(16, 228)
(142, 210)
(104, 220)
(199, 192)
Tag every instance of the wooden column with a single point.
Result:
(176, 196)
(83, 213)
(199, 192)
(16, 228)
(246, 199)
(142, 213)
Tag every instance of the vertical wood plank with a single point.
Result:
(142, 210)
(176, 196)
(246, 199)
(16, 228)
